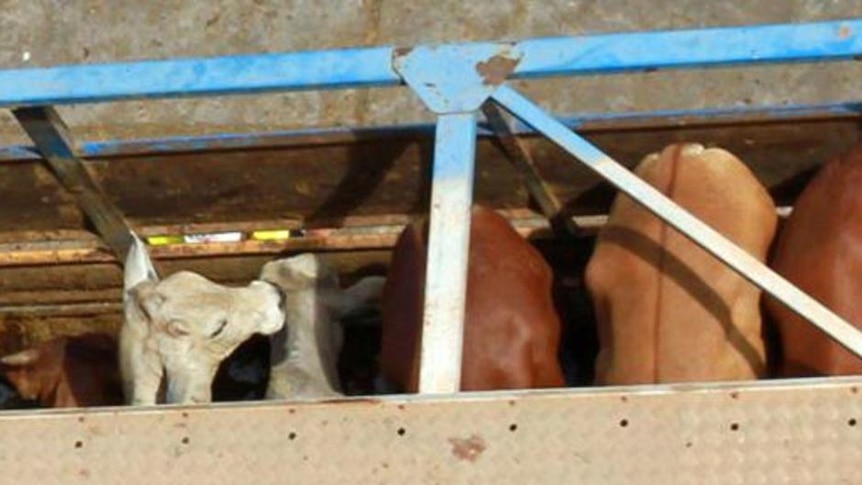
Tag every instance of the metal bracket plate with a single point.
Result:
(456, 78)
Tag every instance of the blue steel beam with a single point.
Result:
(350, 68)
(702, 234)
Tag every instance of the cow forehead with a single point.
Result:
(190, 292)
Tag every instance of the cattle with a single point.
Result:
(820, 251)
(511, 328)
(304, 355)
(666, 310)
(82, 371)
(181, 328)
(67, 371)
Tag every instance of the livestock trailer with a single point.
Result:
(67, 207)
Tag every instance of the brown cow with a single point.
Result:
(820, 251)
(82, 371)
(668, 311)
(67, 372)
(511, 329)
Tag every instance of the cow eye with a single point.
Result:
(221, 325)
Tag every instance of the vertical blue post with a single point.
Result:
(448, 245)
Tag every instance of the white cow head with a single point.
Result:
(182, 327)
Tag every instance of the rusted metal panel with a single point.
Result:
(769, 432)
(101, 282)
(324, 184)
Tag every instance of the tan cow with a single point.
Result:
(182, 327)
(820, 250)
(667, 310)
(305, 352)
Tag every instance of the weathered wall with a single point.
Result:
(49, 32)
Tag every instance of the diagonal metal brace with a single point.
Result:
(51, 136)
(520, 157)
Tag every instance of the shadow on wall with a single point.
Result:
(369, 164)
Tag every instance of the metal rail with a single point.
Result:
(352, 68)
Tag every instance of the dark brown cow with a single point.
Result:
(668, 311)
(820, 250)
(67, 372)
(511, 330)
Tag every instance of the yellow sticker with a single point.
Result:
(271, 235)
(163, 240)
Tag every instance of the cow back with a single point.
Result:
(820, 251)
(511, 329)
(667, 310)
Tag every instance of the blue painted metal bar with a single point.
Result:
(448, 244)
(348, 68)
(702, 234)
(321, 136)
(727, 46)
(244, 74)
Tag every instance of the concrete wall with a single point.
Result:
(49, 32)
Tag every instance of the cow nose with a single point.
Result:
(10, 398)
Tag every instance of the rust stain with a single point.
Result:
(84, 473)
(496, 69)
(402, 51)
(844, 32)
(468, 449)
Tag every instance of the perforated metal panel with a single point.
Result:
(779, 432)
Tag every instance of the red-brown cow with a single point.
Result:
(67, 372)
(820, 250)
(511, 329)
(668, 311)
(82, 371)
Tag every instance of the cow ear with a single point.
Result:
(145, 298)
(21, 359)
(291, 274)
